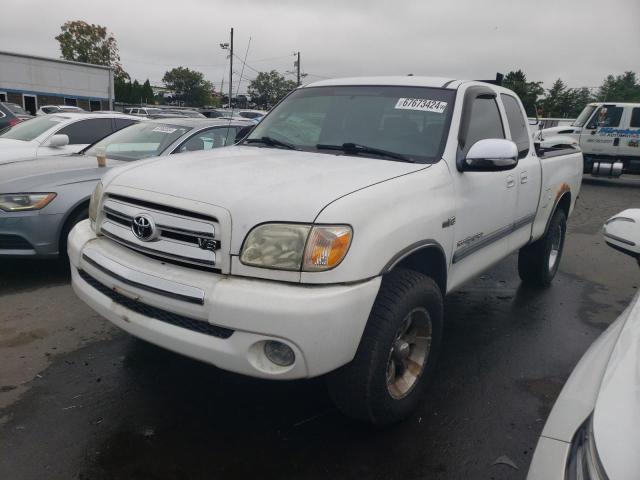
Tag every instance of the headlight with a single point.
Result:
(296, 247)
(20, 202)
(583, 462)
(95, 201)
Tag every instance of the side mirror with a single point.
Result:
(59, 140)
(622, 232)
(490, 155)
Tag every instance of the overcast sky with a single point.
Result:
(580, 41)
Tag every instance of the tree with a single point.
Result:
(529, 92)
(268, 88)
(622, 88)
(147, 92)
(90, 43)
(189, 86)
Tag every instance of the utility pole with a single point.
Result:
(231, 69)
(298, 65)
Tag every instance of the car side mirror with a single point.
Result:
(622, 232)
(490, 155)
(59, 140)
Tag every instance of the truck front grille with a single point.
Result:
(175, 319)
(179, 236)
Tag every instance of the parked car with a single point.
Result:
(11, 114)
(142, 111)
(592, 431)
(41, 199)
(184, 113)
(609, 135)
(58, 134)
(325, 241)
(49, 109)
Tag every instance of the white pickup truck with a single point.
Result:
(325, 241)
(609, 137)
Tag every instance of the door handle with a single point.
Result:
(524, 177)
(511, 181)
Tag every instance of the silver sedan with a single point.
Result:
(43, 198)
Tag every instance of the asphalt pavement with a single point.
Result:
(81, 400)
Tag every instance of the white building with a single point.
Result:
(33, 81)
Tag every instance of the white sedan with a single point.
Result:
(593, 431)
(58, 134)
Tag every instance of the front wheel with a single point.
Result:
(397, 353)
(539, 261)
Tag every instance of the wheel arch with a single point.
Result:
(564, 203)
(426, 257)
(80, 205)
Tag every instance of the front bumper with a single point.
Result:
(29, 234)
(322, 324)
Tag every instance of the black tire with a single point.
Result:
(76, 217)
(534, 261)
(359, 389)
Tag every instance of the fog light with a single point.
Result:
(279, 353)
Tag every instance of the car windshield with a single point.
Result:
(27, 131)
(584, 116)
(17, 109)
(409, 122)
(142, 140)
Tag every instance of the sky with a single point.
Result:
(580, 41)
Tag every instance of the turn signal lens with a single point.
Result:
(94, 202)
(326, 247)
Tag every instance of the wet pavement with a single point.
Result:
(82, 400)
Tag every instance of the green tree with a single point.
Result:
(147, 92)
(268, 88)
(189, 86)
(529, 92)
(621, 88)
(90, 43)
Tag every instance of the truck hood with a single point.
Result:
(617, 412)
(562, 130)
(45, 174)
(259, 184)
(15, 150)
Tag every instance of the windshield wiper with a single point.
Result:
(273, 142)
(355, 149)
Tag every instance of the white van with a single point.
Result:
(609, 136)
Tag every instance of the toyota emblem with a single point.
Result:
(143, 227)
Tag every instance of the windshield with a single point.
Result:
(17, 109)
(408, 121)
(584, 116)
(142, 140)
(27, 131)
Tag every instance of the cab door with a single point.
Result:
(601, 135)
(485, 201)
(528, 172)
(630, 139)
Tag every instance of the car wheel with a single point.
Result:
(397, 353)
(539, 261)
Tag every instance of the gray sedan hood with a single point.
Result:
(43, 174)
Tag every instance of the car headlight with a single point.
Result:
(583, 462)
(94, 202)
(296, 247)
(21, 202)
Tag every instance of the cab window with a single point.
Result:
(517, 125)
(484, 121)
(635, 118)
(606, 117)
(208, 139)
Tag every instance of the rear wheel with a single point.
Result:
(539, 261)
(396, 356)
